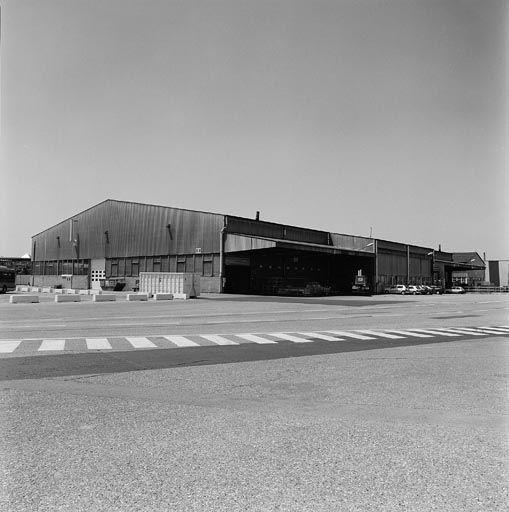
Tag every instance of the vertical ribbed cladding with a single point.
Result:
(142, 230)
(133, 230)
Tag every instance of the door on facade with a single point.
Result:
(237, 279)
(97, 272)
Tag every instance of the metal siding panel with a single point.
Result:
(271, 230)
(350, 242)
(234, 243)
(134, 230)
(392, 264)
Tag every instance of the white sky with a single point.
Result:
(336, 115)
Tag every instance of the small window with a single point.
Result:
(207, 268)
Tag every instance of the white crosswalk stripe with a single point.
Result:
(254, 338)
(181, 341)
(52, 345)
(59, 345)
(489, 330)
(437, 333)
(380, 334)
(140, 342)
(8, 346)
(351, 335)
(461, 331)
(289, 337)
(320, 336)
(98, 344)
(412, 334)
(218, 340)
(498, 330)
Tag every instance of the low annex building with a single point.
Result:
(118, 240)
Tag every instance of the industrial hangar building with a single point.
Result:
(119, 239)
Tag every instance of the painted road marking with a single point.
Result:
(352, 335)
(436, 333)
(462, 331)
(320, 336)
(7, 346)
(255, 339)
(289, 337)
(98, 344)
(140, 342)
(218, 340)
(52, 345)
(412, 334)
(498, 330)
(181, 341)
(381, 334)
(481, 329)
(58, 345)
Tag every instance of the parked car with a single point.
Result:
(436, 290)
(455, 289)
(425, 289)
(399, 288)
(414, 289)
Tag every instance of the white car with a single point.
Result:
(414, 290)
(455, 289)
(399, 288)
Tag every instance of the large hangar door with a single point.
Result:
(238, 274)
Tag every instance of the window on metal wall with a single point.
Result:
(208, 269)
(135, 268)
(66, 267)
(114, 268)
(181, 263)
(157, 265)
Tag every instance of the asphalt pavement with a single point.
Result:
(383, 423)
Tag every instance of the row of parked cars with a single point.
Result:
(422, 289)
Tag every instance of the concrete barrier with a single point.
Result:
(84, 292)
(67, 298)
(25, 288)
(35, 289)
(23, 299)
(137, 296)
(71, 291)
(163, 296)
(47, 289)
(58, 290)
(104, 297)
(181, 296)
(19, 288)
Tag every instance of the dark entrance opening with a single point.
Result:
(277, 271)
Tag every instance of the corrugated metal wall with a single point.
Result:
(355, 243)
(270, 230)
(133, 230)
(235, 243)
(395, 265)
